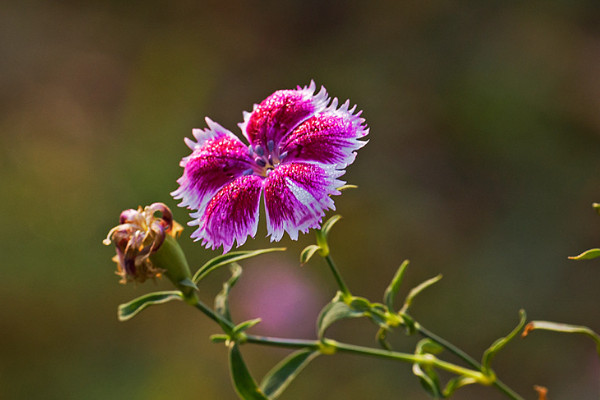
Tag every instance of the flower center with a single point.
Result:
(266, 158)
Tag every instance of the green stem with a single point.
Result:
(337, 276)
(328, 346)
(225, 324)
(466, 358)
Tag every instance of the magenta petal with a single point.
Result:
(330, 137)
(297, 196)
(218, 158)
(281, 112)
(232, 214)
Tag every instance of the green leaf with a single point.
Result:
(382, 339)
(394, 286)
(418, 289)
(456, 383)
(229, 258)
(222, 298)
(241, 327)
(278, 378)
(129, 310)
(348, 186)
(587, 255)
(564, 328)
(329, 224)
(500, 343)
(187, 282)
(427, 375)
(335, 311)
(429, 380)
(308, 252)
(360, 304)
(428, 346)
(219, 338)
(244, 384)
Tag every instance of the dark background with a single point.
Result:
(482, 165)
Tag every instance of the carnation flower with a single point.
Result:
(299, 144)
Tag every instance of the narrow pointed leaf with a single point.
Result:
(394, 286)
(278, 379)
(348, 186)
(129, 310)
(187, 282)
(456, 383)
(587, 255)
(564, 328)
(335, 311)
(222, 298)
(500, 343)
(428, 346)
(229, 258)
(429, 380)
(418, 289)
(308, 252)
(427, 375)
(381, 339)
(329, 224)
(241, 327)
(244, 384)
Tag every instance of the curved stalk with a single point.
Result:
(466, 358)
(328, 346)
(501, 386)
(338, 277)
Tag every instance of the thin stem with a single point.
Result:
(447, 345)
(225, 324)
(337, 276)
(282, 342)
(331, 346)
(466, 358)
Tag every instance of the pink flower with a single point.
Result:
(300, 143)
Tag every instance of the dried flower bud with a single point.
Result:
(139, 235)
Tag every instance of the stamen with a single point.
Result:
(250, 151)
(247, 172)
(270, 145)
(259, 150)
(260, 162)
(282, 156)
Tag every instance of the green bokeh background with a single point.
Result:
(482, 165)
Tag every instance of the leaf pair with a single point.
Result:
(322, 245)
(275, 381)
(130, 309)
(394, 286)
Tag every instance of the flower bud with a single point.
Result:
(147, 248)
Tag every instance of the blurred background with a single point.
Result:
(482, 165)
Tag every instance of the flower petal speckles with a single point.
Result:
(297, 196)
(231, 214)
(300, 142)
(217, 159)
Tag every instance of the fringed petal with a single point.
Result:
(330, 137)
(232, 214)
(297, 196)
(217, 159)
(281, 112)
